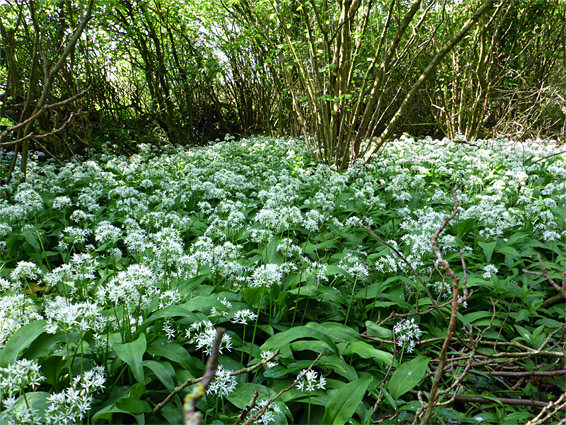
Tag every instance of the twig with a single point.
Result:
(508, 401)
(549, 156)
(453, 315)
(248, 408)
(523, 373)
(192, 416)
(190, 382)
(42, 136)
(260, 413)
(539, 418)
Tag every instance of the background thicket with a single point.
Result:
(347, 75)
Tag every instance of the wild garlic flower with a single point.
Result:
(5, 285)
(203, 334)
(406, 332)
(25, 271)
(288, 249)
(5, 230)
(266, 275)
(269, 416)
(19, 376)
(65, 316)
(15, 312)
(17, 413)
(73, 235)
(354, 266)
(30, 199)
(134, 287)
(310, 381)
(72, 405)
(168, 298)
(489, 270)
(61, 202)
(266, 355)
(107, 233)
(223, 384)
(243, 316)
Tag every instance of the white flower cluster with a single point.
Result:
(406, 332)
(72, 405)
(311, 381)
(223, 383)
(269, 416)
(203, 334)
(64, 316)
(266, 276)
(18, 376)
(489, 271)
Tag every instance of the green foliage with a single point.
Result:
(115, 272)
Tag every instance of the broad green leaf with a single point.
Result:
(324, 293)
(337, 365)
(283, 338)
(164, 372)
(376, 331)
(171, 311)
(367, 351)
(170, 351)
(407, 376)
(125, 400)
(337, 331)
(312, 345)
(344, 402)
(488, 248)
(132, 354)
(32, 240)
(508, 251)
(20, 340)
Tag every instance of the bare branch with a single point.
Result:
(453, 315)
(190, 382)
(259, 414)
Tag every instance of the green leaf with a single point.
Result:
(376, 331)
(126, 400)
(488, 248)
(337, 331)
(283, 338)
(132, 354)
(365, 350)
(170, 351)
(407, 376)
(164, 372)
(337, 365)
(32, 240)
(20, 340)
(344, 402)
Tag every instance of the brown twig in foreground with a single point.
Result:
(453, 315)
(191, 414)
(260, 413)
(190, 382)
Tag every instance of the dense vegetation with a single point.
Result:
(208, 212)
(116, 271)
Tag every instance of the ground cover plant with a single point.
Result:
(424, 286)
